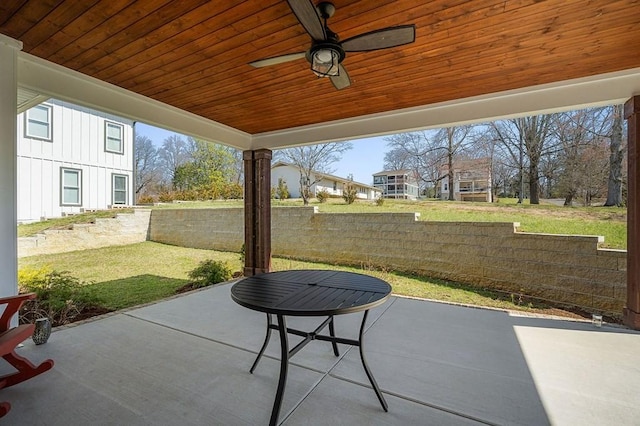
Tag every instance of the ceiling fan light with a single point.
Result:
(325, 62)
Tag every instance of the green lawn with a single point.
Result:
(126, 276)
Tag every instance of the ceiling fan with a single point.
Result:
(327, 51)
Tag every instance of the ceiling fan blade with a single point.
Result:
(277, 60)
(381, 39)
(309, 18)
(342, 80)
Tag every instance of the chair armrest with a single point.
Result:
(17, 297)
(13, 304)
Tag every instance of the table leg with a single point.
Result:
(284, 366)
(366, 367)
(332, 333)
(264, 345)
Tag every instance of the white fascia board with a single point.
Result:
(11, 42)
(62, 83)
(599, 90)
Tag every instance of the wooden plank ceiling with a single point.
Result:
(194, 54)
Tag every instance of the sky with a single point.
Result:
(365, 159)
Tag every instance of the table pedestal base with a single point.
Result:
(286, 354)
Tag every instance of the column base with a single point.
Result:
(631, 319)
(249, 272)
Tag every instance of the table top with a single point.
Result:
(310, 292)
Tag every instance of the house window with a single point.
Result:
(114, 137)
(446, 187)
(119, 189)
(71, 183)
(38, 122)
(335, 186)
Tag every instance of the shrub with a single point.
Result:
(233, 191)
(146, 199)
(323, 195)
(379, 201)
(282, 191)
(210, 272)
(166, 197)
(349, 194)
(60, 296)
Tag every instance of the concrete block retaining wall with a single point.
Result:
(125, 228)
(568, 269)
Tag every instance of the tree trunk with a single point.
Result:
(534, 188)
(614, 184)
(451, 182)
(568, 199)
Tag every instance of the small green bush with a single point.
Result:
(60, 296)
(210, 272)
(379, 201)
(323, 195)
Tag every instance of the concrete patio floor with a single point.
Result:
(185, 361)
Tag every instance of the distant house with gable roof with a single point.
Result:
(334, 185)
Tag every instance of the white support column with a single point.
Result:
(9, 49)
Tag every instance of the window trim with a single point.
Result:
(62, 186)
(49, 137)
(106, 137)
(113, 189)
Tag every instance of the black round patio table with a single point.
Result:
(310, 293)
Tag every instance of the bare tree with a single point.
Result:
(173, 153)
(454, 139)
(581, 137)
(147, 170)
(426, 152)
(616, 148)
(397, 159)
(526, 139)
(313, 161)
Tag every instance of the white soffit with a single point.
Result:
(28, 99)
(599, 90)
(54, 81)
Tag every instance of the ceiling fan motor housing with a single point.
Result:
(326, 9)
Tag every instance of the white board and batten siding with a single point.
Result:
(74, 144)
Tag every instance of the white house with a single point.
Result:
(334, 185)
(72, 159)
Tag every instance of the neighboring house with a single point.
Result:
(334, 185)
(472, 180)
(398, 184)
(72, 159)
